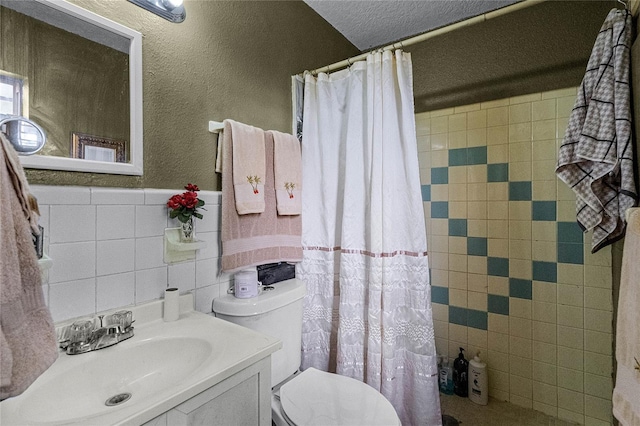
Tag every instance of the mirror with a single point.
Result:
(25, 136)
(87, 98)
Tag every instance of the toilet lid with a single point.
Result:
(318, 398)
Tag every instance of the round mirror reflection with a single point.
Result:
(25, 136)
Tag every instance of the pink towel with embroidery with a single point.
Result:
(287, 170)
(247, 144)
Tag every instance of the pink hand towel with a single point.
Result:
(287, 169)
(256, 239)
(247, 144)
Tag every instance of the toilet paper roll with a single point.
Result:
(171, 304)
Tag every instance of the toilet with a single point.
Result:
(309, 397)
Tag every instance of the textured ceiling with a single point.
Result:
(374, 23)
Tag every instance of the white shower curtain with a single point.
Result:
(368, 305)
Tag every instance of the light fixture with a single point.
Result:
(171, 10)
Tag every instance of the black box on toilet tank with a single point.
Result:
(271, 273)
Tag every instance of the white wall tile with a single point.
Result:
(205, 296)
(115, 256)
(107, 247)
(115, 222)
(151, 220)
(150, 284)
(72, 223)
(149, 252)
(117, 196)
(72, 261)
(183, 276)
(212, 250)
(160, 196)
(114, 291)
(72, 299)
(206, 272)
(61, 194)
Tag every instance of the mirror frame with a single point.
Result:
(135, 164)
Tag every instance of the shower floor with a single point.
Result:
(496, 413)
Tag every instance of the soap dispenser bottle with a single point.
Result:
(460, 369)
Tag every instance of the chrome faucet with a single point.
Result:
(96, 333)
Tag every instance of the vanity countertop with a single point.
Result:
(161, 366)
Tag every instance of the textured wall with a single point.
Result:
(539, 48)
(229, 59)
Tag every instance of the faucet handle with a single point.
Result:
(80, 331)
(120, 318)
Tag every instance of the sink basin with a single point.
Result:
(140, 369)
(161, 366)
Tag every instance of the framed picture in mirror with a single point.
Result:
(95, 148)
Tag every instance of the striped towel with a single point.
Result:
(596, 155)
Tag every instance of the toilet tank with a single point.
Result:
(277, 313)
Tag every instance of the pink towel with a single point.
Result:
(27, 336)
(287, 170)
(247, 144)
(250, 240)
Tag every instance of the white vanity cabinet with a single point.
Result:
(242, 399)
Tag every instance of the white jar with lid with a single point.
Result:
(246, 283)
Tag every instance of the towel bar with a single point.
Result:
(215, 126)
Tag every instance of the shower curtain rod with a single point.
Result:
(442, 30)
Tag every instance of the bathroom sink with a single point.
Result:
(163, 365)
(140, 369)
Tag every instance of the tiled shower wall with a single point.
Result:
(107, 246)
(513, 276)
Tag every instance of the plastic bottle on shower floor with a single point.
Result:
(446, 377)
(478, 381)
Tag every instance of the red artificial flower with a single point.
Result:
(185, 205)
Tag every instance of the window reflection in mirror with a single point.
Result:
(12, 90)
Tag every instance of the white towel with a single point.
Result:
(626, 395)
(287, 169)
(249, 168)
(596, 156)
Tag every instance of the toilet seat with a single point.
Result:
(315, 397)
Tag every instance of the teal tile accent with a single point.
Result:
(498, 304)
(519, 191)
(498, 172)
(545, 271)
(477, 319)
(426, 192)
(458, 157)
(439, 175)
(570, 232)
(498, 266)
(477, 246)
(457, 315)
(458, 227)
(571, 253)
(477, 155)
(522, 289)
(439, 209)
(543, 210)
(440, 295)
